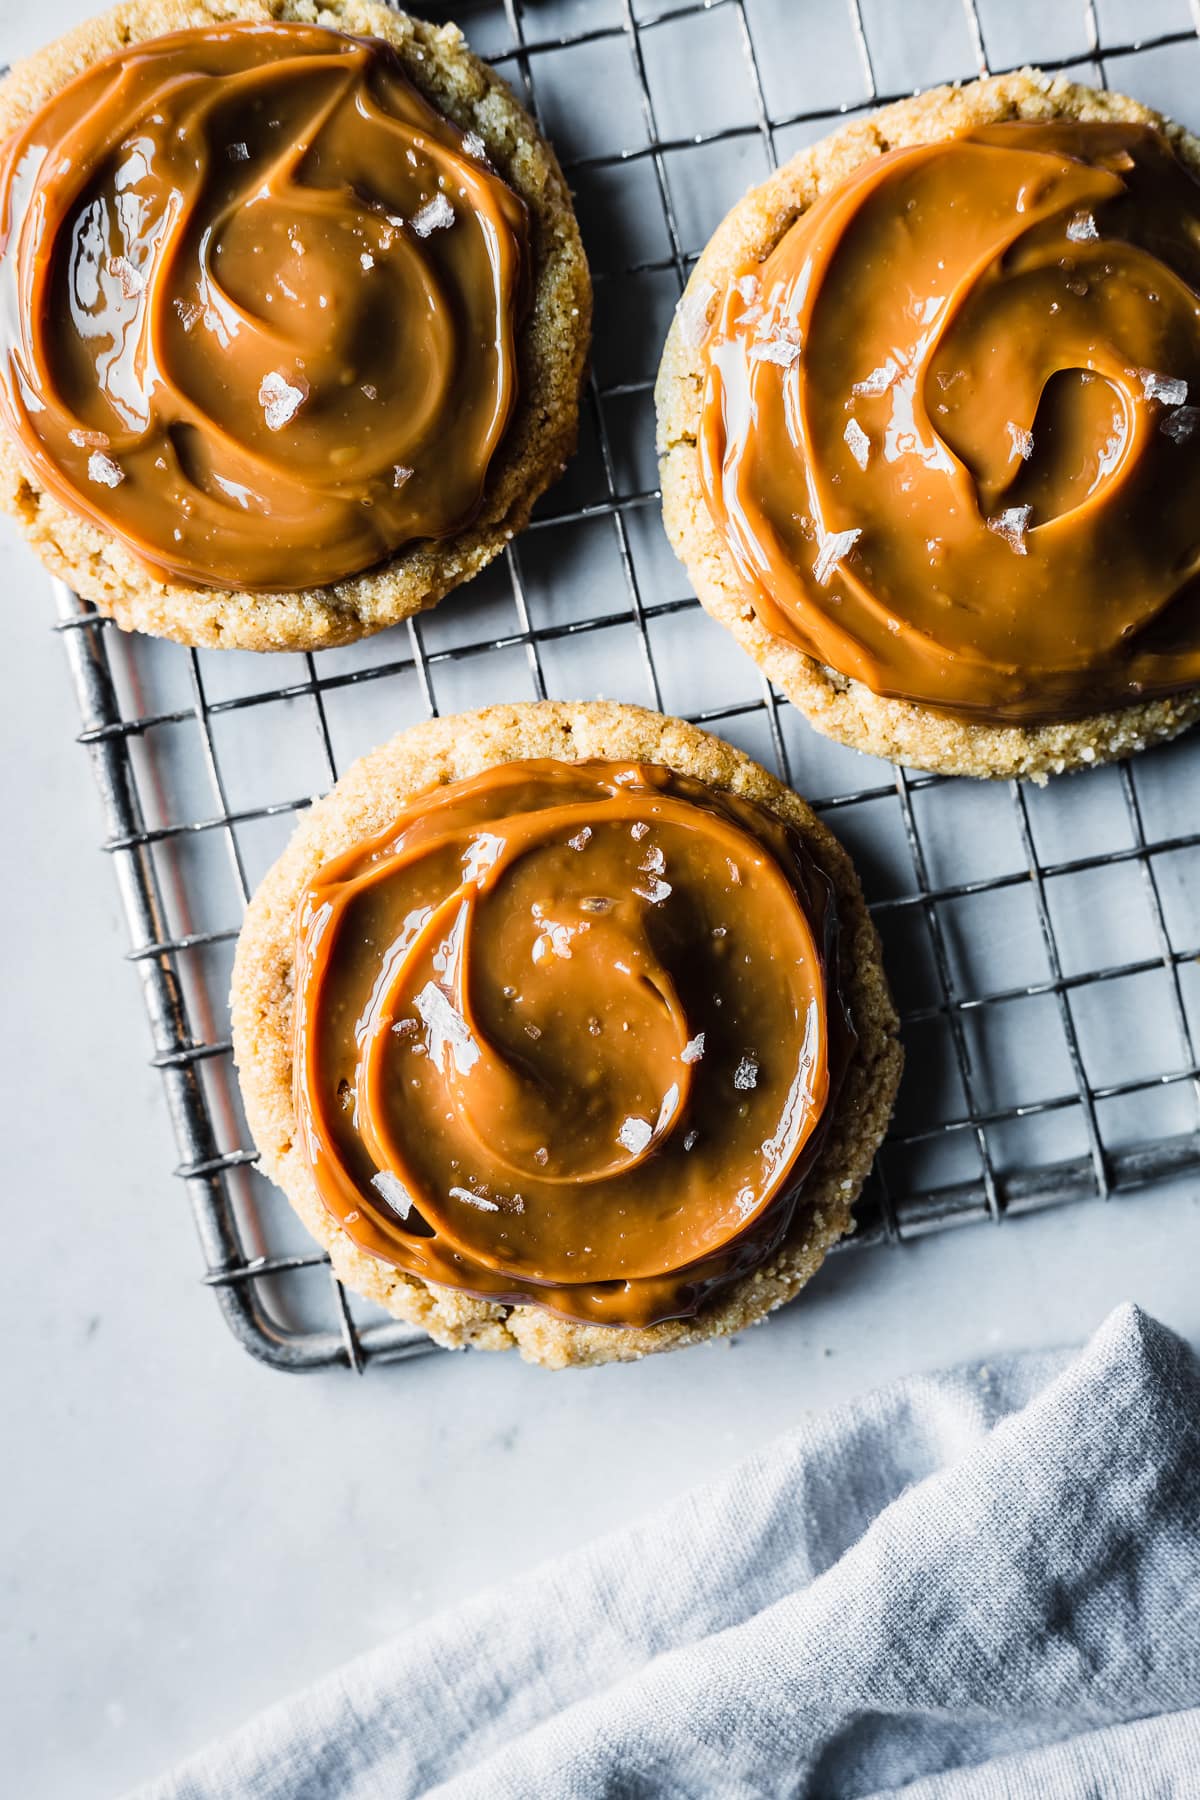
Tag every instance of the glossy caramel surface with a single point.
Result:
(569, 1034)
(257, 305)
(949, 426)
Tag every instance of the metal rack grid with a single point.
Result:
(1043, 943)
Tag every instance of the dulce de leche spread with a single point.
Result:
(257, 305)
(950, 425)
(568, 1034)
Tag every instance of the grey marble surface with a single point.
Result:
(187, 1536)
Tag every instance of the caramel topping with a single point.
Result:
(567, 1034)
(257, 305)
(951, 425)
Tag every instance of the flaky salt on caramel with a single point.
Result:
(250, 275)
(947, 436)
(570, 1035)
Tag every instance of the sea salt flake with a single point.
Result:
(393, 1191)
(780, 350)
(655, 891)
(367, 260)
(401, 474)
(238, 152)
(279, 400)
(1172, 390)
(132, 283)
(858, 443)
(581, 839)
(90, 440)
(1012, 525)
(639, 829)
(474, 1199)
(435, 215)
(691, 1140)
(1082, 227)
(541, 1156)
(188, 314)
(879, 380)
(1180, 424)
(370, 390)
(634, 1135)
(745, 1076)
(693, 1050)
(447, 1030)
(653, 863)
(834, 546)
(103, 469)
(1021, 440)
(475, 147)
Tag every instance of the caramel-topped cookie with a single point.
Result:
(285, 305)
(930, 449)
(565, 1026)
(570, 1034)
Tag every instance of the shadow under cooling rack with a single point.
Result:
(1042, 943)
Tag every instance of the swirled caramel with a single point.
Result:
(568, 1034)
(950, 425)
(257, 305)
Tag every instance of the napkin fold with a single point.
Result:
(983, 1584)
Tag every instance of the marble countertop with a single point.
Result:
(188, 1536)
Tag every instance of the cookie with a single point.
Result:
(919, 733)
(255, 501)
(276, 985)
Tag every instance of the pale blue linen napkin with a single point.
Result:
(983, 1585)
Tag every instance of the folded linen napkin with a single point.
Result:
(981, 1584)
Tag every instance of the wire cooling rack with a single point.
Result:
(1042, 943)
